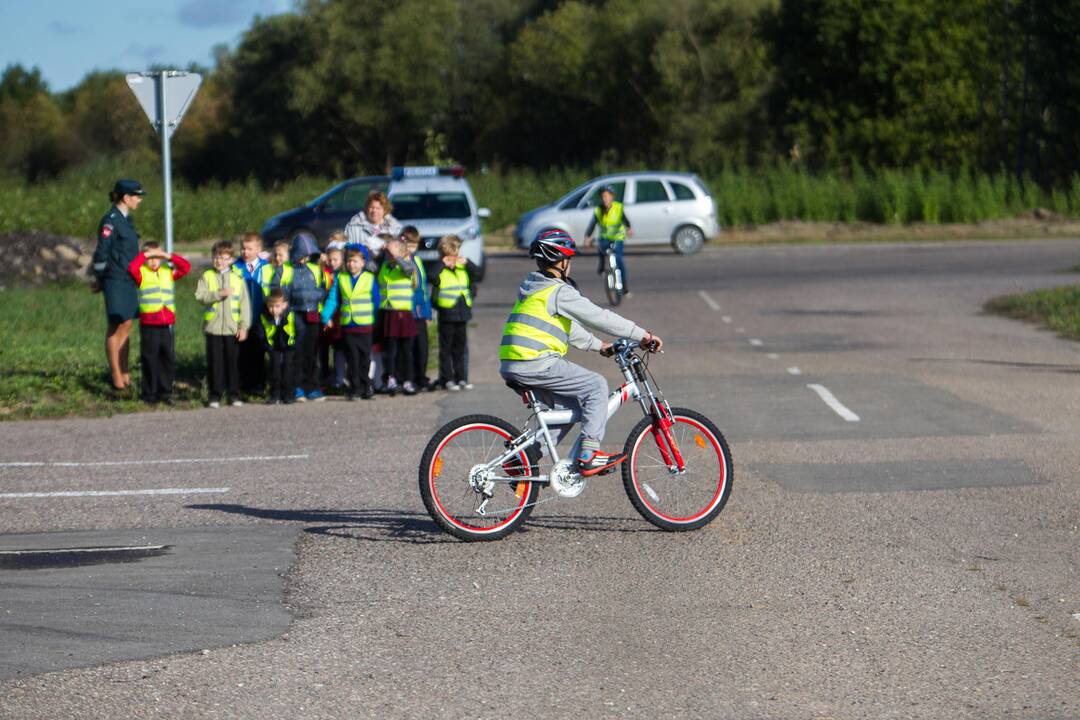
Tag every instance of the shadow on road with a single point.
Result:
(388, 525)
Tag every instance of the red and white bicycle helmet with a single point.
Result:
(552, 246)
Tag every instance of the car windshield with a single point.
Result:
(430, 206)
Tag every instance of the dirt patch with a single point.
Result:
(36, 258)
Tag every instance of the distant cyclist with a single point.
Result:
(614, 229)
(550, 315)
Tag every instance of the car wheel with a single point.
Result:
(687, 240)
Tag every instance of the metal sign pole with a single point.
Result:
(166, 159)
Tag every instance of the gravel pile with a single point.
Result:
(35, 258)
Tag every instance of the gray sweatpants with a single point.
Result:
(563, 384)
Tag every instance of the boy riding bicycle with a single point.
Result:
(614, 229)
(549, 316)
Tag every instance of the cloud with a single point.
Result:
(216, 13)
(149, 53)
(64, 28)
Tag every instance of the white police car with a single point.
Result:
(438, 201)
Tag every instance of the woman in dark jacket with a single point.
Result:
(118, 244)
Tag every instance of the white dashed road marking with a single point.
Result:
(174, 461)
(726, 319)
(50, 551)
(715, 306)
(111, 493)
(832, 402)
(794, 371)
(756, 342)
(772, 356)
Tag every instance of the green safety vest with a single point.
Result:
(357, 303)
(266, 273)
(236, 282)
(270, 329)
(453, 284)
(531, 331)
(611, 224)
(396, 288)
(156, 290)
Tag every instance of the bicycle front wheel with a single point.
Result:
(452, 456)
(613, 284)
(678, 501)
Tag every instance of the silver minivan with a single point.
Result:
(663, 207)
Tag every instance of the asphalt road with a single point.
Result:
(922, 561)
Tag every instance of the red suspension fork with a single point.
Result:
(665, 439)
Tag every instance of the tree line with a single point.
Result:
(347, 87)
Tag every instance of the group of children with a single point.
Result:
(305, 322)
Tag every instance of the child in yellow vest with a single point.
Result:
(452, 295)
(157, 315)
(279, 334)
(354, 297)
(225, 323)
(397, 280)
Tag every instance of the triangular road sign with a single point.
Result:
(180, 89)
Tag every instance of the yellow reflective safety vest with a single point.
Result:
(270, 329)
(157, 290)
(611, 222)
(236, 282)
(453, 284)
(396, 288)
(531, 331)
(357, 301)
(266, 274)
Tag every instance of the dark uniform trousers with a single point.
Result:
(282, 373)
(452, 349)
(158, 361)
(420, 354)
(222, 366)
(358, 361)
(253, 361)
(307, 345)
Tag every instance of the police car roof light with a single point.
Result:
(400, 173)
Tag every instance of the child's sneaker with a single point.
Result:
(391, 386)
(452, 386)
(299, 395)
(214, 404)
(316, 396)
(408, 387)
(238, 403)
(466, 386)
(594, 462)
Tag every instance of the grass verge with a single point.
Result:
(1056, 308)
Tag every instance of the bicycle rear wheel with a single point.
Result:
(453, 502)
(679, 501)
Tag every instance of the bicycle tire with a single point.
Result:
(491, 432)
(661, 505)
(612, 285)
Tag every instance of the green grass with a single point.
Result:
(53, 363)
(73, 204)
(1056, 308)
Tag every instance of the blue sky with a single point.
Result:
(67, 39)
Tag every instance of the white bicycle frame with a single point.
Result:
(546, 419)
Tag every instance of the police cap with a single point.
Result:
(128, 187)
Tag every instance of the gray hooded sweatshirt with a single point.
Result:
(584, 316)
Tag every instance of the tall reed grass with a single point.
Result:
(74, 203)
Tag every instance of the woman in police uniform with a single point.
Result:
(118, 244)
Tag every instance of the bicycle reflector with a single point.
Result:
(700, 441)
(436, 469)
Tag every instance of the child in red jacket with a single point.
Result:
(157, 315)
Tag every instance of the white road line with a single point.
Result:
(110, 493)
(832, 402)
(82, 550)
(740, 330)
(756, 342)
(715, 306)
(726, 319)
(794, 371)
(772, 356)
(174, 461)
